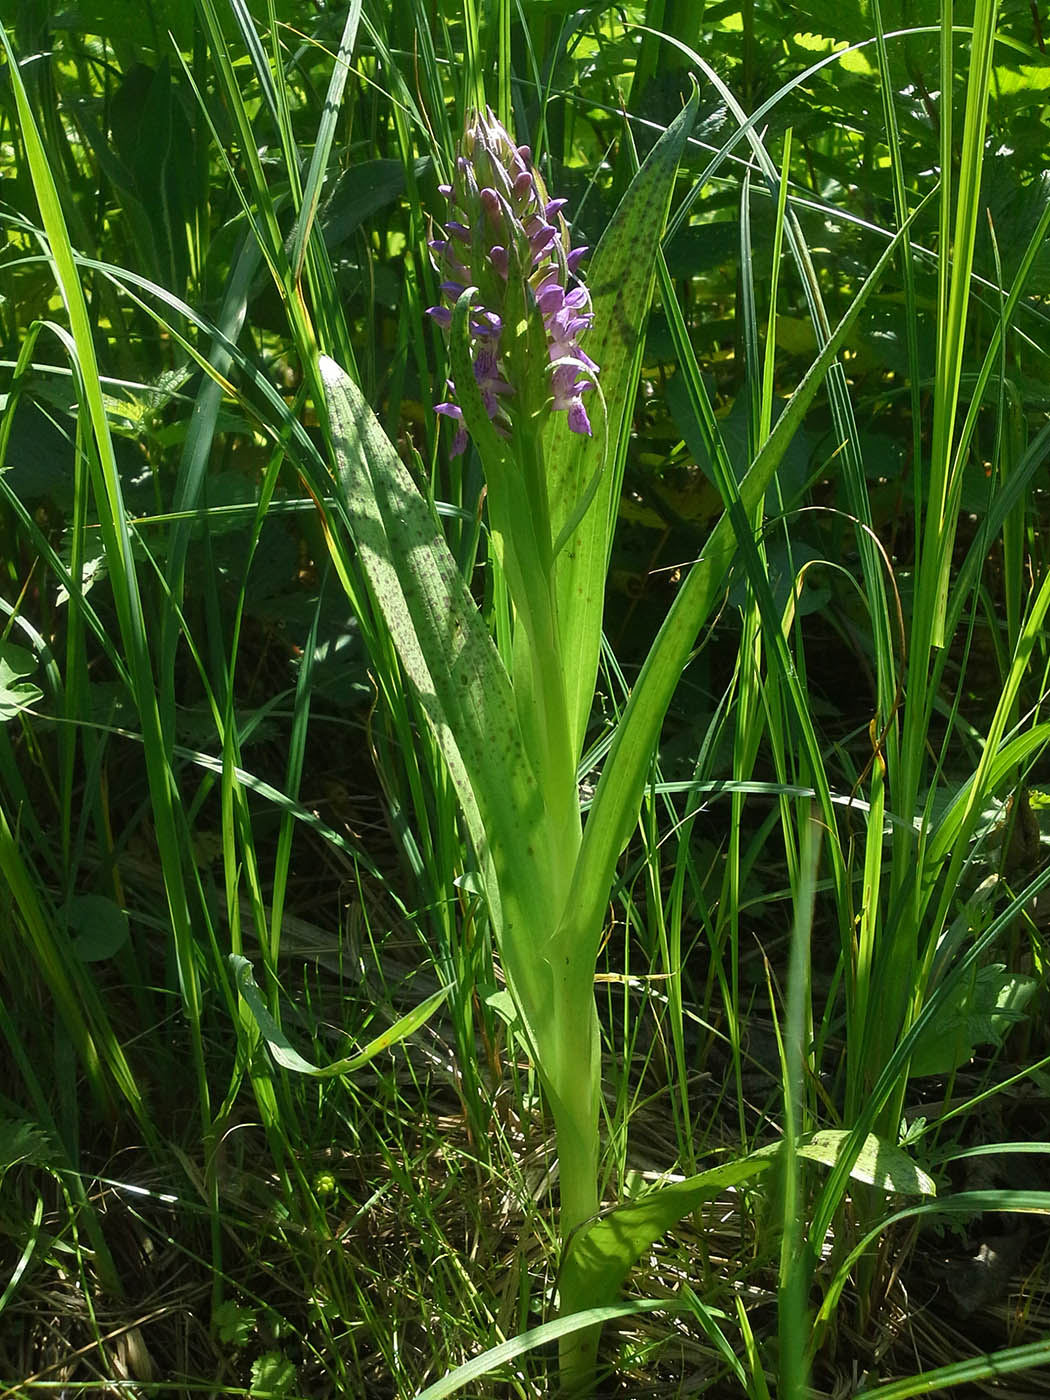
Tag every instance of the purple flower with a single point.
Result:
(501, 217)
(493, 387)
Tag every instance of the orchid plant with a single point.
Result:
(544, 371)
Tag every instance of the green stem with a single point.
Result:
(575, 1094)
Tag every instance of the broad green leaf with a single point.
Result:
(131, 29)
(445, 650)
(362, 191)
(16, 693)
(878, 1163)
(451, 660)
(992, 1005)
(288, 1057)
(100, 927)
(620, 278)
(600, 1255)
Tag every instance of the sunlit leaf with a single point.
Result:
(288, 1057)
(600, 1255)
(16, 693)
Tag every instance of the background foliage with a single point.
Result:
(205, 751)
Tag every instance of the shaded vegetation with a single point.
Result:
(828, 929)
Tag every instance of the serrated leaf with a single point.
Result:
(273, 1374)
(22, 1141)
(992, 1005)
(16, 694)
(234, 1323)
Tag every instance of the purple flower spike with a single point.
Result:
(501, 216)
(490, 380)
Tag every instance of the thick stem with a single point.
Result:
(575, 1094)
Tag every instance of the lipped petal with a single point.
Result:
(487, 325)
(551, 299)
(578, 420)
(542, 239)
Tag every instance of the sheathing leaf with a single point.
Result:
(620, 279)
(453, 664)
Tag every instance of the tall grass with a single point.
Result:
(814, 918)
